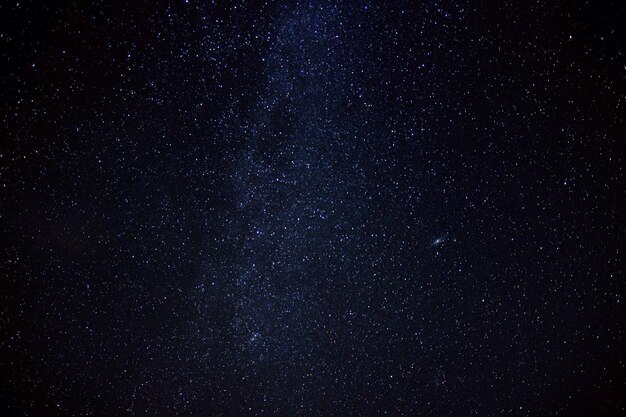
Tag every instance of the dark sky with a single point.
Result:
(312, 208)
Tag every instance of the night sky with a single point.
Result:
(312, 208)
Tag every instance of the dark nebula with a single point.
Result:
(312, 208)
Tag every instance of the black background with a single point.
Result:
(312, 208)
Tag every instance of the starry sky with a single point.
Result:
(312, 208)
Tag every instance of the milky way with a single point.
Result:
(312, 208)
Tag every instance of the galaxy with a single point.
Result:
(312, 208)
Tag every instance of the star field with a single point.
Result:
(312, 208)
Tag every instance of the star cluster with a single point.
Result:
(312, 208)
